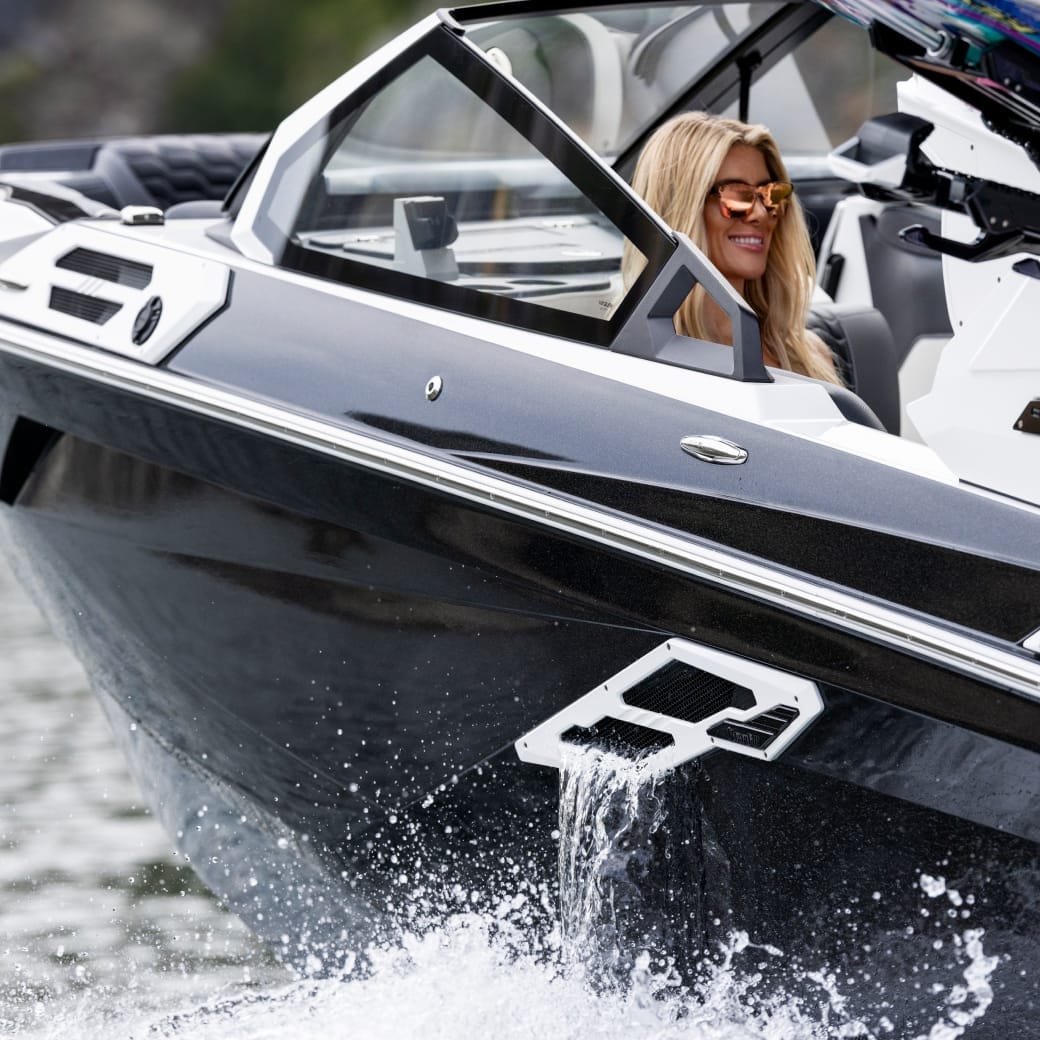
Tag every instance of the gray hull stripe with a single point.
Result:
(898, 629)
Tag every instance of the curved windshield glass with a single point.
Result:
(610, 73)
(613, 74)
(426, 179)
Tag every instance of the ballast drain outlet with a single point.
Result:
(678, 702)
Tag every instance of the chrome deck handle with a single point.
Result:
(709, 448)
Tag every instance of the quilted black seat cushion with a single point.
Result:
(161, 171)
(164, 171)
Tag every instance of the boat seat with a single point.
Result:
(161, 171)
(864, 261)
(861, 342)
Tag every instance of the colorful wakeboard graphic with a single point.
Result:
(986, 21)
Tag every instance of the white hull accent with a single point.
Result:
(191, 288)
(772, 689)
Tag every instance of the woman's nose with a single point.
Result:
(755, 214)
(758, 210)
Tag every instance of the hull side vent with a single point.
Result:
(687, 693)
(678, 702)
(102, 288)
(759, 731)
(79, 305)
(107, 267)
(623, 738)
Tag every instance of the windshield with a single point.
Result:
(613, 74)
(609, 73)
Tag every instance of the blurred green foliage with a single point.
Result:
(18, 75)
(271, 56)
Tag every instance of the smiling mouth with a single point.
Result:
(748, 241)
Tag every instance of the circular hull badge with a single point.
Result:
(147, 318)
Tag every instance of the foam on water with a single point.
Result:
(508, 967)
(468, 979)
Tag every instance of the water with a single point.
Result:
(95, 908)
(609, 812)
(616, 930)
(105, 933)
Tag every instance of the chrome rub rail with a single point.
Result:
(901, 630)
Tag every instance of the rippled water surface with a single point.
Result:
(105, 933)
(96, 913)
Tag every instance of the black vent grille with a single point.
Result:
(622, 738)
(107, 267)
(758, 732)
(79, 305)
(684, 692)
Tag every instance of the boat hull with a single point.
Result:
(341, 662)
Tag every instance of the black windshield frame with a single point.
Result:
(552, 139)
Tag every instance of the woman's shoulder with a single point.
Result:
(823, 357)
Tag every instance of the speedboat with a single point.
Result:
(364, 485)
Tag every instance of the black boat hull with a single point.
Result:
(344, 674)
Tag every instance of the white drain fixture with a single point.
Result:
(678, 702)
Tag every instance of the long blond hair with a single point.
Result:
(675, 172)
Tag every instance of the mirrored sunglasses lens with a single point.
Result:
(736, 202)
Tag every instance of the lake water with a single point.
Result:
(105, 933)
(97, 916)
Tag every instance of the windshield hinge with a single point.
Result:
(746, 65)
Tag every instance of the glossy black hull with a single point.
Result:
(341, 662)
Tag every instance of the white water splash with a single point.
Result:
(488, 968)
(966, 1002)
(475, 977)
(464, 981)
(609, 803)
(603, 797)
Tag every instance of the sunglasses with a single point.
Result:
(737, 200)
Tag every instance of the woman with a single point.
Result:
(723, 183)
